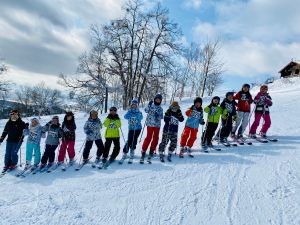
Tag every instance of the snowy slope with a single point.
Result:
(256, 184)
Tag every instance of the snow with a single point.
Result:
(256, 184)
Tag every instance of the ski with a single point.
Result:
(106, 165)
(4, 172)
(65, 167)
(130, 161)
(26, 169)
(100, 166)
(95, 164)
(268, 138)
(82, 164)
(54, 167)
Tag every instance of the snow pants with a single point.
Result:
(166, 138)
(265, 126)
(241, 123)
(66, 146)
(88, 146)
(226, 127)
(11, 153)
(131, 143)
(153, 137)
(209, 133)
(30, 149)
(49, 154)
(188, 137)
(116, 149)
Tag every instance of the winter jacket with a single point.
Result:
(14, 131)
(228, 107)
(155, 115)
(112, 124)
(92, 129)
(172, 120)
(214, 112)
(68, 130)
(134, 117)
(262, 102)
(244, 101)
(54, 133)
(195, 117)
(34, 134)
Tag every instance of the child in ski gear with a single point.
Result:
(262, 101)
(92, 129)
(153, 123)
(229, 115)
(34, 132)
(112, 134)
(170, 131)
(68, 138)
(214, 112)
(134, 117)
(54, 134)
(14, 131)
(245, 100)
(189, 135)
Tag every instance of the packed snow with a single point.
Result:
(257, 184)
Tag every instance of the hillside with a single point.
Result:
(254, 185)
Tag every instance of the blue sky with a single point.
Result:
(39, 40)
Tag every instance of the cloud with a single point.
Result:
(194, 4)
(46, 37)
(259, 37)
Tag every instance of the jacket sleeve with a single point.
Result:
(257, 97)
(25, 132)
(60, 133)
(86, 127)
(106, 122)
(118, 123)
(180, 116)
(188, 112)
(45, 128)
(250, 99)
(5, 131)
(269, 100)
(207, 109)
(237, 96)
(127, 115)
(140, 116)
(161, 114)
(147, 109)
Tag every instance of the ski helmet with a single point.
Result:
(263, 87)
(134, 102)
(217, 98)
(113, 108)
(159, 96)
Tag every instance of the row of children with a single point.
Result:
(234, 118)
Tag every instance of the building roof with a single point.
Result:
(290, 64)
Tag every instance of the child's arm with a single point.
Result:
(180, 116)
(106, 123)
(118, 123)
(188, 112)
(127, 115)
(4, 133)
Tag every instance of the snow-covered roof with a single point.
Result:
(291, 63)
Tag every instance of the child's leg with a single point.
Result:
(255, 124)
(8, 153)
(100, 148)
(238, 122)
(71, 149)
(163, 143)
(87, 148)
(29, 150)
(244, 123)
(267, 123)
(155, 139)
(46, 154)
(173, 142)
(135, 138)
(150, 131)
(129, 141)
(62, 151)
(52, 153)
(107, 145)
(210, 132)
(184, 136)
(226, 128)
(192, 137)
(116, 149)
(14, 154)
(37, 154)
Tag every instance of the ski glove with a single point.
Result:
(150, 103)
(1, 139)
(224, 116)
(202, 122)
(43, 135)
(26, 125)
(88, 132)
(235, 117)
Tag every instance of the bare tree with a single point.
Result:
(24, 95)
(137, 44)
(4, 84)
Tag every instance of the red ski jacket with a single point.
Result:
(244, 101)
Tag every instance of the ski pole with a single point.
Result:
(142, 131)
(248, 122)
(82, 146)
(122, 134)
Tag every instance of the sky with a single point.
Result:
(41, 39)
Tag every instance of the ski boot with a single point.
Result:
(162, 157)
(169, 157)
(149, 160)
(181, 152)
(189, 152)
(142, 158)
